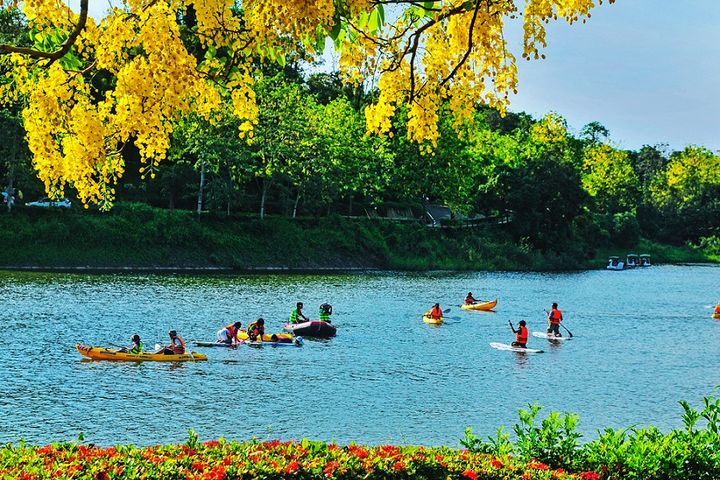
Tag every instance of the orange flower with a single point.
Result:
(292, 467)
(359, 452)
(330, 468)
(537, 466)
(398, 466)
(469, 474)
(496, 463)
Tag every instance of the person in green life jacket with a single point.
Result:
(325, 312)
(296, 315)
(256, 329)
(136, 346)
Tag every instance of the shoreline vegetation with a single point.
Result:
(137, 237)
(538, 450)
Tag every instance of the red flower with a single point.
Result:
(333, 447)
(398, 466)
(469, 474)
(537, 466)
(589, 476)
(330, 468)
(217, 473)
(558, 473)
(359, 452)
(272, 444)
(199, 466)
(211, 443)
(389, 451)
(496, 463)
(292, 467)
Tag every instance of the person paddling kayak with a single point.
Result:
(177, 344)
(228, 334)
(297, 314)
(136, 347)
(435, 313)
(521, 337)
(470, 300)
(554, 318)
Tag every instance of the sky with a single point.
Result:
(648, 70)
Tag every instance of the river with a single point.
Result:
(643, 339)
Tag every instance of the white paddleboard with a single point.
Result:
(504, 346)
(550, 336)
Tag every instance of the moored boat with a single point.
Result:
(101, 353)
(632, 261)
(484, 306)
(644, 260)
(614, 263)
(312, 328)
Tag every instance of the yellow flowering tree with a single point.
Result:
(421, 53)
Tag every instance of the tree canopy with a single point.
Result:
(89, 87)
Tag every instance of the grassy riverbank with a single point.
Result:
(137, 236)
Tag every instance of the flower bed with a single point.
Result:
(223, 460)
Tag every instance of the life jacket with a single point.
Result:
(436, 313)
(137, 348)
(178, 349)
(555, 316)
(469, 300)
(324, 314)
(294, 316)
(231, 330)
(254, 330)
(522, 335)
(717, 309)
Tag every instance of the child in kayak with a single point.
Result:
(136, 346)
(521, 337)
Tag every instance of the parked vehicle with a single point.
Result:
(48, 203)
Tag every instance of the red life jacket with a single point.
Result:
(469, 300)
(179, 349)
(555, 316)
(522, 335)
(231, 330)
(717, 309)
(436, 313)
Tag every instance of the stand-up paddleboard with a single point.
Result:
(549, 336)
(504, 346)
(215, 344)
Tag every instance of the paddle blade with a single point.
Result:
(447, 310)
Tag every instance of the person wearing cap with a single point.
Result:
(136, 347)
(229, 333)
(297, 314)
(256, 329)
(177, 344)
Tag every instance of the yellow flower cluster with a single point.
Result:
(426, 54)
(551, 129)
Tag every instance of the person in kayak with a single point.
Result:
(325, 312)
(470, 300)
(297, 314)
(136, 347)
(177, 344)
(521, 334)
(554, 318)
(435, 312)
(228, 334)
(256, 329)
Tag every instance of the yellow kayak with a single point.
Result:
(484, 306)
(432, 321)
(267, 337)
(100, 353)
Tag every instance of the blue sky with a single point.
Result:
(649, 70)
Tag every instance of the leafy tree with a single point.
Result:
(424, 55)
(609, 178)
(594, 133)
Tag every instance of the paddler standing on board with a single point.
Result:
(554, 318)
(521, 334)
(297, 314)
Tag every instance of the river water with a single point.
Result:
(643, 340)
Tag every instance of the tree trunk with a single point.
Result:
(297, 199)
(202, 186)
(350, 205)
(262, 198)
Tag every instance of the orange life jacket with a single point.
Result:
(717, 309)
(522, 334)
(179, 349)
(231, 330)
(555, 316)
(436, 313)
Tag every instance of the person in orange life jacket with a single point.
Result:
(521, 337)
(554, 318)
(435, 312)
(256, 329)
(177, 344)
(229, 333)
(469, 300)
